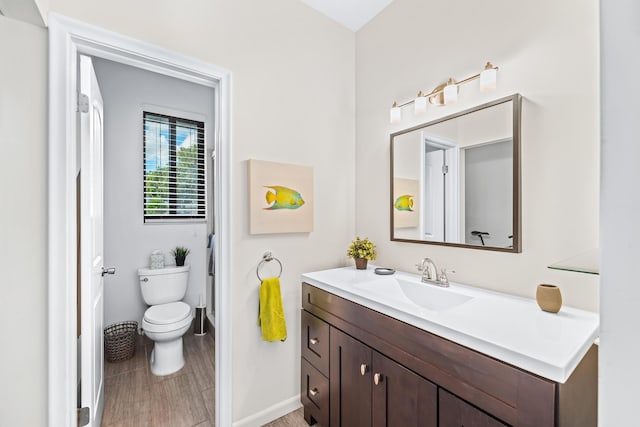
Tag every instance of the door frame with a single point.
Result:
(452, 203)
(67, 39)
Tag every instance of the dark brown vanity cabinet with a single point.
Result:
(363, 387)
(400, 397)
(456, 412)
(363, 368)
(350, 378)
(369, 389)
(314, 382)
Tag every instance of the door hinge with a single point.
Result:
(445, 169)
(83, 416)
(83, 103)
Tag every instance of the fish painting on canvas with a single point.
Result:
(404, 203)
(279, 197)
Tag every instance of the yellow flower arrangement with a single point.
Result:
(362, 248)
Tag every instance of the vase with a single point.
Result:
(549, 298)
(180, 261)
(361, 263)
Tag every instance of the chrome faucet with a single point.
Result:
(430, 273)
(428, 269)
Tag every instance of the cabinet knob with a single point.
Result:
(313, 341)
(313, 392)
(377, 377)
(363, 369)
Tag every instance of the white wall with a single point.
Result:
(488, 193)
(620, 204)
(407, 164)
(548, 52)
(293, 100)
(128, 240)
(23, 218)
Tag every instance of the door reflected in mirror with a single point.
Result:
(456, 180)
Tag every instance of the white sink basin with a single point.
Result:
(431, 297)
(413, 292)
(507, 327)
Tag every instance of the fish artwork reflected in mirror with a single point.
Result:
(404, 203)
(279, 197)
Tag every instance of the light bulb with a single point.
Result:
(450, 92)
(488, 78)
(394, 113)
(420, 103)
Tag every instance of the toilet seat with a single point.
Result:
(166, 317)
(163, 314)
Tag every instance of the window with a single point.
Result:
(174, 176)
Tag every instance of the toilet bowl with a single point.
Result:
(168, 318)
(165, 324)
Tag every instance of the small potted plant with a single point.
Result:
(180, 253)
(362, 250)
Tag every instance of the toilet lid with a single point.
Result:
(163, 314)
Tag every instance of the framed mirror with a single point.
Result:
(455, 181)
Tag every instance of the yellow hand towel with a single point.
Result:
(271, 312)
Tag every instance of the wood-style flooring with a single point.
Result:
(292, 419)
(134, 397)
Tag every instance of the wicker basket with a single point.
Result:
(120, 341)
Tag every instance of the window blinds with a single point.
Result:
(174, 168)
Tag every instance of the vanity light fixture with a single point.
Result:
(488, 78)
(420, 103)
(450, 92)
(394, 114)
(446, 93)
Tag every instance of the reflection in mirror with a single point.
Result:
(455, 181)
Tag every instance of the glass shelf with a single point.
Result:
(587, 262)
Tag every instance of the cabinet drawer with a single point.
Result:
(314, 394)
(455, 412)
(315, 342)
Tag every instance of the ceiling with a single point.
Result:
(22, 10)
(353, 14)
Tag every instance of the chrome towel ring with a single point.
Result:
(268, 257)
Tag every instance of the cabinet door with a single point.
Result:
(455, 412)
(401, 397)
(350, 381)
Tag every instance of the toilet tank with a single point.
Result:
(163, 285)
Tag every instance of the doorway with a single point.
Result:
(147, 117)
(68, 39)
(439, 219)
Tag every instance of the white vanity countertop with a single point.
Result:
(509, 328)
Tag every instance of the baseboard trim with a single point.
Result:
(210, 323)
(269, 414)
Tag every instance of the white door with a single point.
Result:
(91, 243)
(433, 206)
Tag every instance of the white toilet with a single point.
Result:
(168, 318)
